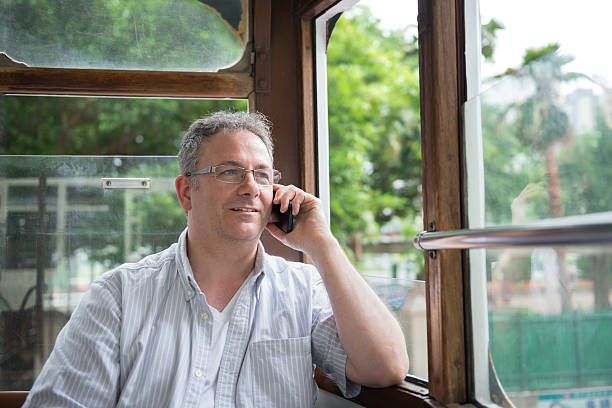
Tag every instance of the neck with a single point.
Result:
(220, 267)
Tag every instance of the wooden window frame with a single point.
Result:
(443, 91)
(105, 82)
(234, 82)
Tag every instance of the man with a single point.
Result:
(214, 320)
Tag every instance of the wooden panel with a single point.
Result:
(281, 103)
(441, 132)
(309, 9)
(124, 83)
(307, 116)
(262, 10)
(394, 397)
(12, 399)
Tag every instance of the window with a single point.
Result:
(185, 35)
(271, 89)
(62, 226)
(48, 204)
(374, 158)
(543, 142)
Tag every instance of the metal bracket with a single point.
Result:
(126, 183)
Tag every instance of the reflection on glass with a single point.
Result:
(547, 142)
(182, 35)
(546, 152)
(406, 299)
(549, 333)
(60, 230)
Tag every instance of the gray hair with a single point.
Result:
(204, 128)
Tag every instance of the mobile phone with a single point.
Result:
(284, 221)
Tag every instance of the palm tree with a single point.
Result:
(544, 126)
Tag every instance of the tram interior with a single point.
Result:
(404, 127)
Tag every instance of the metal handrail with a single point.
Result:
(517, 236)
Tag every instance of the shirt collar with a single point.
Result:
(186, 273)
(258, 269)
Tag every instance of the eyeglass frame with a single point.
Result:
(276, 175)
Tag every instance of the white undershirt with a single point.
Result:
(220, 325)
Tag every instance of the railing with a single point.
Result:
(562, 232)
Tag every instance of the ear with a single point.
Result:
(183, 191)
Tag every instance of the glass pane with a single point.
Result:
(546, 139)
(547, 116)
(99, 126)
(406, 299)
(180, 35)
(550, 325)
(60, 230)
(375, 157)
(546, 153)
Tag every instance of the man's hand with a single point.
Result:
(310, 225)
(372, 338)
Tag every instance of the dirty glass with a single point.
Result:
(178, 35)
(61, 228)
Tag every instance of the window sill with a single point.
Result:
(405, 394)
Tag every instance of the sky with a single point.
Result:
(583, 29)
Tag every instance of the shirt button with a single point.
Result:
(189, 293)
(197, 373)
(204, 316)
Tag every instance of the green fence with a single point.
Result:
(536, 352)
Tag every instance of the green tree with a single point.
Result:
(544, 126)
(373, 91)
(142, 34)
(539, 124)
(99, 126)
(489, 37)
(531, 140)
(585, 168)
(105, 126)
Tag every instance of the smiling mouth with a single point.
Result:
(242, 209)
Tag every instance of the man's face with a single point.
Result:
(230, 211)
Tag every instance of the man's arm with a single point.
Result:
(370, 335)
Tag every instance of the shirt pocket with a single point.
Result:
(282, 373)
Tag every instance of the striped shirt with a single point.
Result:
(141, 337)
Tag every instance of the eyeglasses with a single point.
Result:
(235, 174)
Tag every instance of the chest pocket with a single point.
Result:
(282, 373)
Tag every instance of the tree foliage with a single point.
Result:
(489, 37)
(99, 126)
(538, 165)
(373, 91)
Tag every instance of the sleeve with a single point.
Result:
(83, 368)
(327, 351)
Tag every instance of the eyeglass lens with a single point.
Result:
(231, 174)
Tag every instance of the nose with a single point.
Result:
(248, 186)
